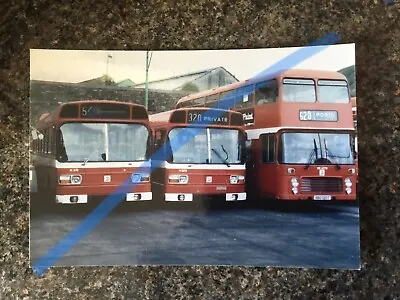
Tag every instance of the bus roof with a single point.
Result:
(298, 73)
(51, 117)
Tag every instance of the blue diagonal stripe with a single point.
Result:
(108, 204)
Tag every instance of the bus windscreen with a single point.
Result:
(304, 148)
(98, 142)
(206, 145)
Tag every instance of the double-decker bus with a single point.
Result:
(301, 129)
(202, 157)
(89, 148)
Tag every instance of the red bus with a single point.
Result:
(301, 129)
(203, 159)
(91, 147)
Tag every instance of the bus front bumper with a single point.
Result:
(81, 199)
(85, 194)
(180, 197)
(321, 197)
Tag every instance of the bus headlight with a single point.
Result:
(69, 179)
(295, 190)
(235, 179)
(294, 182)
(348, 182)
(145, 178)
(348, 190)
(180, 179)
(138, 177)
(76, 179)
(291, 170)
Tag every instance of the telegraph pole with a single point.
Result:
(108, 59)
(146, 96)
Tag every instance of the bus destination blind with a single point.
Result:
(318, 115)
(105, 110)
(210, 117)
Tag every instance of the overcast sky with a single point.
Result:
(80, 65)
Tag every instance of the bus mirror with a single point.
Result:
(103, 156)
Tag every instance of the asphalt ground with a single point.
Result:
(318, 235)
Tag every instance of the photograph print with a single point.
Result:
(203, 157)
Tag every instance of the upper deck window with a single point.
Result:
(199, 102)
(228, 99)
(212, 101)
(266, 92)
(333, 91)
(244, 97)
(188, 103)
(298, 90)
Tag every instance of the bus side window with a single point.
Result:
(268, 146)
(47, 137)
(227, 99)
(51, 140)
(244, 97)
(188, 103)
(159, 138)
(199, 102)
(212, 101)
(354, 145)
(60, 149)
(266, 92)
(41, 145)
(161, 143)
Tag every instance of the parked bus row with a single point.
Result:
(90, 148)
(289, 138)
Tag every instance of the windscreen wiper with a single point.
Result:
(220, 157)
(87, 159)
(327, 152)
(227, 155)
(313, 152)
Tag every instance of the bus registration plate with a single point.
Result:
(322, 197)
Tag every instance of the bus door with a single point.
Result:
(251, 176)
(267, 175)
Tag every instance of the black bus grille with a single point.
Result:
(321, 185)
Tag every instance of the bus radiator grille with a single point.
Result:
(321, 185)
